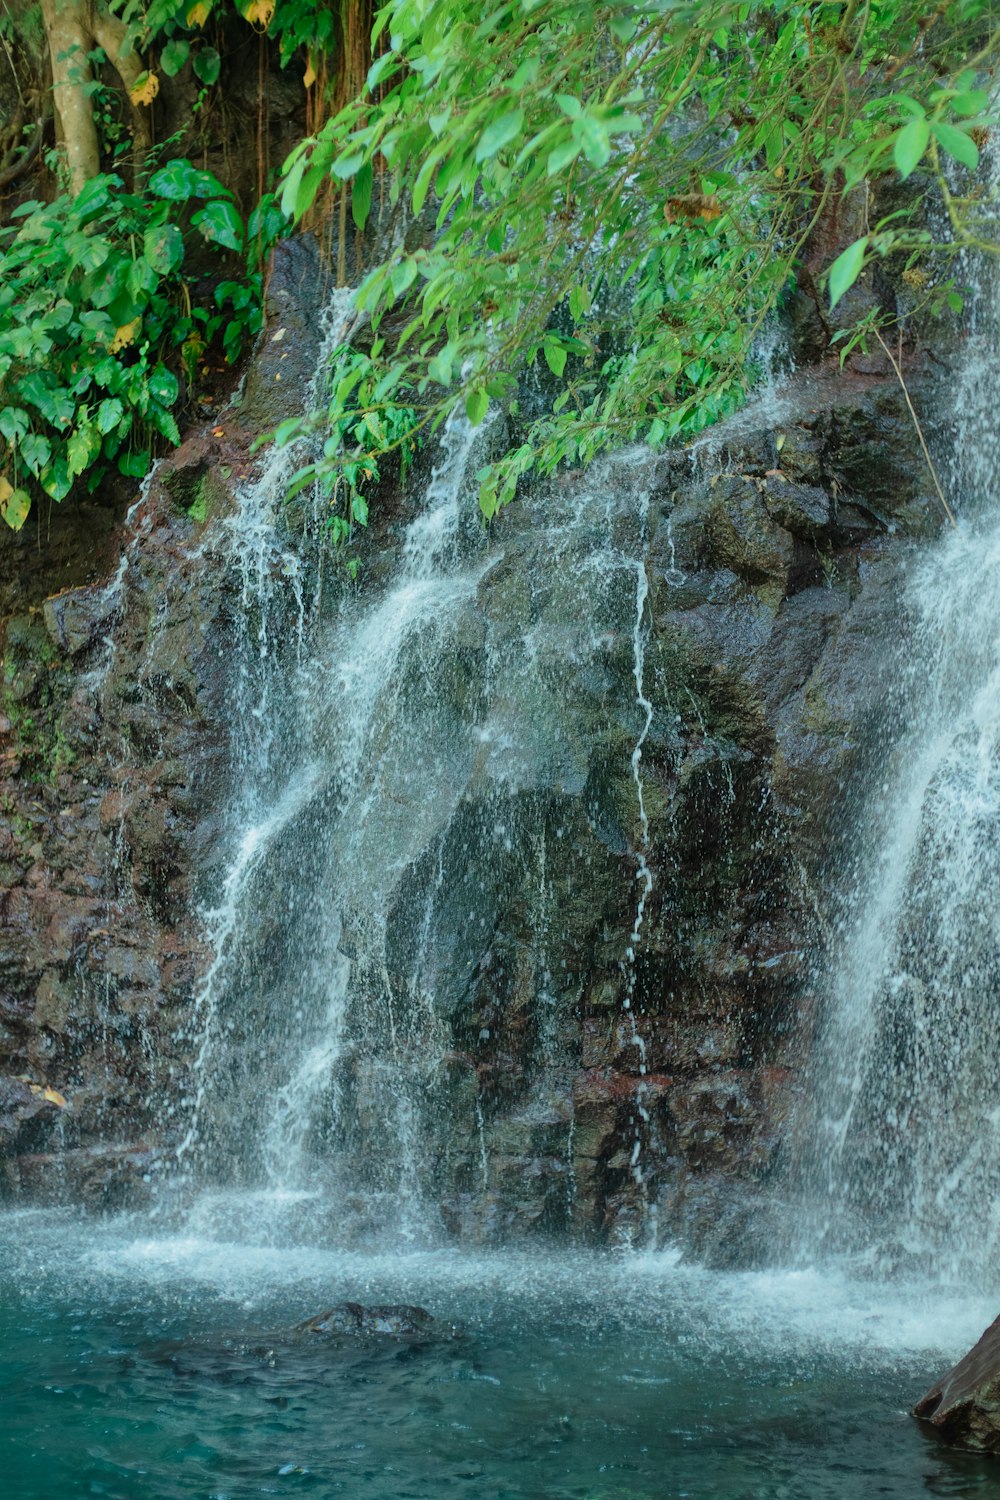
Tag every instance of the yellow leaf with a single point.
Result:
(309, 77)
(692, 206)
(54, 1097)
(126, 335)
(14, 504)
(145, 89)
(198, 14)
(260, 13)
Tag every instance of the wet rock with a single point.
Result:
(742, 535)
(352, 1320)
(73, 619)
(285, 361)
(804, 510)
(963, 1408)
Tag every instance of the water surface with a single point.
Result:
(566, 1376)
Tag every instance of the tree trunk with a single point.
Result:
(67, 27)
(73, 28)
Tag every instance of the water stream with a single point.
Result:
(902, 1170)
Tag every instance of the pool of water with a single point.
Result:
(139, 1364)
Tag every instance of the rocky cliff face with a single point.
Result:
(772, 556)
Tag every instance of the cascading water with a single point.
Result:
(384, 812)
(904, 1167)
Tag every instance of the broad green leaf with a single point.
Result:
(220, 223)
(109, 414)
(207, 65)
(14, 504)
(14, 423)
(56, 480)
(846, 269)
(173, 181)
(174, 55)
(163, 248)
(36, 451)
(499, 133)
(79, 449)
(134, 465)
(163, 386)
(957, 144)
(909, 146)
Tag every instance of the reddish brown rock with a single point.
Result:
(964, 1407)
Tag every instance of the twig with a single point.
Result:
(919, 430)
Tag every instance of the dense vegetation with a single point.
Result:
(614, 196)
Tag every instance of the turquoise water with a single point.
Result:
(128, 1370)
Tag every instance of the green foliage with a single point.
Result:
(617, 198)
(359, 428)
(94, 314)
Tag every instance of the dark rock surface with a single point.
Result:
(773, 556)
(353, 1320)
(964, 1407)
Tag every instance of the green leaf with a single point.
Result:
(579, 303)
(361, 195)
(135, 465)
(476, 404)
(955, 302)
(957, 144)
(56, 480)
(439, 368)
(402, 275)
(972, 102)
(174, 55)
(174, 181)
(207, 65)
(381, 68)
(79, 447)
(555, 356)
(593, 137)
(499, 133)
(220, 223)
(109, 414)
(163, 386)
(846, 269)
(910, 145)
(14, 423)
(562, 156)
(346, 165)
(14, 505)
(36, 452)
(163, 248)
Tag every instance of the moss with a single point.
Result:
(31, 699)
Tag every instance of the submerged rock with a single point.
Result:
(964, 1407)
(351, 1320)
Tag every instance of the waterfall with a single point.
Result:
(904, 1169)
(402, 751)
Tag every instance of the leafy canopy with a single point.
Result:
(96, 320)
(616, 197)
